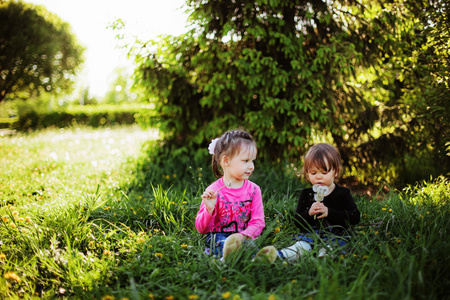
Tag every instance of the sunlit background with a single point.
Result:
(90, 21)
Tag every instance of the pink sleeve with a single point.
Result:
(256, 223)
(204, 220)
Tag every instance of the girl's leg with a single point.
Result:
(216, 242)
(295, 251)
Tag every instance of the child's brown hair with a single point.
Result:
(319, 156)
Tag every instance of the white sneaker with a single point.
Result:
(322, 252)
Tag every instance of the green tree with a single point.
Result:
(291, 72)
(38, 51)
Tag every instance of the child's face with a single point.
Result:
(241, 166)
(321, 177)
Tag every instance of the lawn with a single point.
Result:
(92, 214)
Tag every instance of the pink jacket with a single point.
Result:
(237, 210)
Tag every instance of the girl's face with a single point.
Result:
(321, 177)
(241, 166)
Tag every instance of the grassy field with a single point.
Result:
(91, 214)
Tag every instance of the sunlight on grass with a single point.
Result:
(56, 165)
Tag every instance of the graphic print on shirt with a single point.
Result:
(234, 216)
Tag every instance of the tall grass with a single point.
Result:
(116, 222)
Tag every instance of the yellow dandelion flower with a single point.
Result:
(158, 254)
(237, 297)
(277, 229)
(390, 210)
(125, 298)
(151, 296)
(28, 219)
(12, 276)
(169, 297)
(272, 297)
(383, 208)
(174, 175)
(108, 297)
(2, 256)
(226, 295)
(15, 213)
(183, 246)
(192, 297)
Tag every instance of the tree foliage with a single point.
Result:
(38, 51)
(293, 72)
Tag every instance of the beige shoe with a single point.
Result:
(231, 246)
(266, 254)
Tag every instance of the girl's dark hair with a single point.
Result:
(319, 156)
(230, 144)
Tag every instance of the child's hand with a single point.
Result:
(209, 197)
(318, 209)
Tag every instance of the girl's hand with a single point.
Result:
(318, 209)
(209, 197)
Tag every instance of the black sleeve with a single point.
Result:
(342, 210)
(302, 219)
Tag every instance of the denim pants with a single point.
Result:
(215, 243)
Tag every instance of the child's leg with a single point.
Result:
(216, 241)
(293, 252)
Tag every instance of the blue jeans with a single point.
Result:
(215, 243)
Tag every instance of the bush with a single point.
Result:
(94, 116)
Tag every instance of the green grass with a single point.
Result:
(89, 214)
